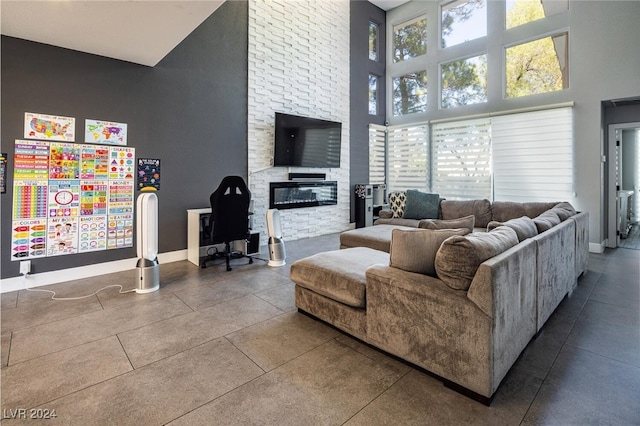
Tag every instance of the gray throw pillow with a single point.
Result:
(421, 205)
(564, 210)
(546, 221)
(524, 226)
(415, 250)
(467, 222)
(458, 258)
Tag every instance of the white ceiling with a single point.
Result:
(138, 31)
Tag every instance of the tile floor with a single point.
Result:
(213, 347)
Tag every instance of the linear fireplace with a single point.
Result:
(295, 195)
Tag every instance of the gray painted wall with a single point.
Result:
(190, 111)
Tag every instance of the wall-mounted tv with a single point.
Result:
(306, 142)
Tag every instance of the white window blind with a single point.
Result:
(533, 156)
(462, 159)
(408, 160)
(377, 154)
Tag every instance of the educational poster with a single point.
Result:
(31, 160)
(94, 162)
(64, 198)
(49, 127)
(29, 199)
(62, 236)
(121, 163)
(64, 161)
(93, 197)
(148, 174)
(3, 172)
(105, 132)
(93, 233)
(120, 231)
(120, 196)
(28, 238)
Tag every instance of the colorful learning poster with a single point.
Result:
(29, 199)
(105, 132)
(93, 233)
(62, 236)
(120, 196)
(121, 163)
(64, 198)
(31, 160)
(49, 127)
(94, 162)
(93, 197)
(3, 172)
(28, 238)
(148, 174)
(120, 231)
(64, 161)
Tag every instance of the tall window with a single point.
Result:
(373, 94)
(538, 66)
(408, 159)
(373, 41)
(464, 82)
(519, 12)
(463, 20)
(410, 39)
(377, 154)
(410, 93)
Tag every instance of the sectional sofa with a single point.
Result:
(458, 299)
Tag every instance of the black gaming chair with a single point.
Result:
(229, 219)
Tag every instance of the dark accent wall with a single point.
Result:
(361, 13)
(190, 111)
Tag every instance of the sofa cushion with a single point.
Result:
(564, 210)
(546, 221)
(397, 201)
(467, 222)
(376, 237)
(502, 211)
(524, 226)
(415, 250)
(459, 257)
(338, 274)
(421, 205)
(454, 209)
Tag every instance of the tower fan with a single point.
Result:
(147, 241)
(276, 245)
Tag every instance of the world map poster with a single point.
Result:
(105, 132)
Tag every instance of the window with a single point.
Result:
(410, 93)
(408, 157)
(520, 12)
(462, 159)
(373, 41)
(377, 154)
(373, 94)
(464, 82)
(410, 39)
(538, 66)
(533, 156)
(463, 20)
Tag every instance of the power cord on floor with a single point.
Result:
(53, 297)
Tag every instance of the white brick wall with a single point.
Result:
(298, 64)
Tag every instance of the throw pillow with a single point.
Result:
(458, 258)
(397, 201)
(564, 210)
(467, 222)
(421, 205)
(481, 209)
(415, 250)
(524, 226)
(546, 221)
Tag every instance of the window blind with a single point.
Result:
(533, 156)
(408, 157)
(377, 154)
(462, 159)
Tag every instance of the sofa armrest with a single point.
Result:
(385, 214)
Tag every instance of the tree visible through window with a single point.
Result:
(410, 93)
(373, 94)
(464, 82)
(463, 20)
(373, 41)
(410, 39)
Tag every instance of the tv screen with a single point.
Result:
(306, 142)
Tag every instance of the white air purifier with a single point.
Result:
(147, 241)
(277, 253)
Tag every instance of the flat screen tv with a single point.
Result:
(306, 142)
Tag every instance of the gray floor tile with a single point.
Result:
(211, 293)
(621, 290)
(159, 392)
(8, 300)
(325, 386)
(165, 338)
(48, 338)
(282, 296)
(4, 349)
(281, 339)
(44, 379)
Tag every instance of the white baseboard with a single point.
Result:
(53, 277)
(596, 248)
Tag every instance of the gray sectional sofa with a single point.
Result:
(462, 305)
